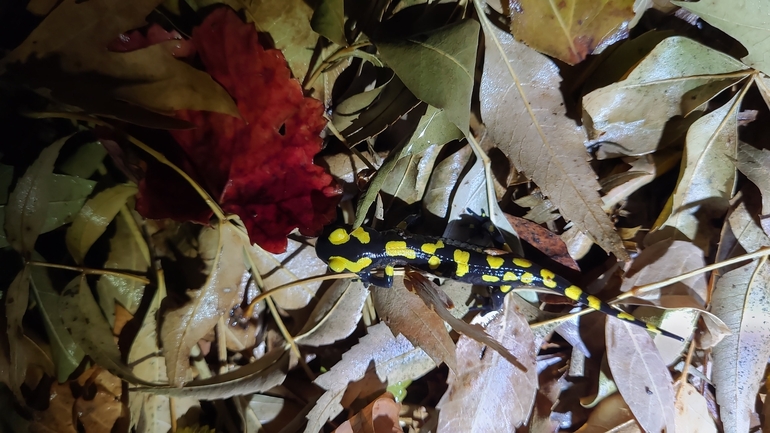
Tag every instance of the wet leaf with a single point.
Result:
(27, 208)
(94, 217)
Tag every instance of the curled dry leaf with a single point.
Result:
(489, 393)
(406, 314)
(612, 414)
(222, 248)
(379, 355)
(525, 116)
(742, 300)
(641, 376)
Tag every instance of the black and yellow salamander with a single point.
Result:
(365, 251)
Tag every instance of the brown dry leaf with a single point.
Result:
(27, 206)
(388, 359)
(745, 228)
(336, 315)
(572, 29)
(222, 249)
(77, 69)
(755, 164)
(524, 112)
(58, 417)
(406, 314)
(298, 262)
(379, 416)
(692, 414)
(98, 414)
(611, 415)
(443, 182)
(666, 259)
(706, 179)
(641, 376)
(546, 241)
(490, 393)
(742, 300)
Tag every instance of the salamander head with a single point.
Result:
(346, 246)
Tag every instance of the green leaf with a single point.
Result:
(85, 161)
(68, 193)
(94, 218)
(329, 21)
(438, 67)
(66, 354)
(434, 128)
(27, 206)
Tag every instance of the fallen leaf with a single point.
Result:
(570, 30)
(222, 248)
(329, 21)
(634, 112)
(80, 71)
(525, 116)
(336, 315)
(741, 300)
(755, 164)
(744, 21)
(438, 67)
(16, 301)
(611, 415)
(94, 217)
(489, 393)
(692, 414)
(27, 208)
(641, 376)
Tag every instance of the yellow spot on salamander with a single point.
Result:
(527, 278)
(548, 277)
(389, 271)
(510, 276)
(362, 235)
(490, 278)
(573, 292)
(461, 259)
(522, 263)
(431, 248)
(399, 249)
(495, 262)
(434, 262)
(627, 317)
(653, 328)
(505, 289)
(341, 264)
(594, 302)
(339, 236)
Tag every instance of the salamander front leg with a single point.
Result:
(386, 280)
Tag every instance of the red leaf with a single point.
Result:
(156, 34)
(261, 166)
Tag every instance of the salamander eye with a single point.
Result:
(339, 236)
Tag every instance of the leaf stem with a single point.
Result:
(342, 52)
(90, 271)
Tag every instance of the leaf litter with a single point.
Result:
(171, 166)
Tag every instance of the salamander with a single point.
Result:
(368, 252)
